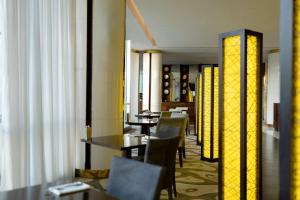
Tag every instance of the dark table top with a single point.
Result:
(149, 122)
(119, 142)
(40, 192)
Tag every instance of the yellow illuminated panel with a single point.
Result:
(199, 108)
(216, 113)
(253, 100)
(295, 133)
(207, 111)
(231, 118)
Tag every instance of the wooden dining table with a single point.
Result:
(148, 115)
(124, 143)
(144, 123)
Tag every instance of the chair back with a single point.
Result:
(178, 115)
(134, 180)
(165, 114)
(179, 122)
(162, 152)
(182, 108)
(166, 131)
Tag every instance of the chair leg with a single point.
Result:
(174, 186)
(170, 193)
(180, 156)
(183, 152)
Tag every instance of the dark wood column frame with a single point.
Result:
(287, 46)
(89, 76)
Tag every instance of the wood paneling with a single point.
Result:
(165, 106)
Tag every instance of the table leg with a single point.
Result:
(145, 129)
(141, 151)
(87, 156)
(126, 153)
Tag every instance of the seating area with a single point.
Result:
(195, 180)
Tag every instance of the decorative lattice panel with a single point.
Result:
(295, 137)
(231, 118)
(207, 88)
(199, 107)
(216, 113)
(253, 100)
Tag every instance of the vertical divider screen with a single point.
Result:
(240, 115)
(231, 117)
(216, 114)
(253, 102)
(207, 90)
(199, 108)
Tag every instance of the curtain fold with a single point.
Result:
(43, 85)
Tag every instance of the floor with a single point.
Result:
(196, 179)
(199, 179)
(270, 154)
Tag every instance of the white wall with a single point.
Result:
(127, 88)
(134, 84)
(273, 85)
(108, 64)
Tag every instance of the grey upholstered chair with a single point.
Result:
(183, 114)
(165, 114)
(133, 180)
(162, 152)
(178, 122)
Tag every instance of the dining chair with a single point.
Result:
(133, 180)
(177, 122)
(183, 114)
(165, 114)
(162, 152)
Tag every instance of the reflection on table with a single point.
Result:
(144, 123)
(123, 143)
(148, 115)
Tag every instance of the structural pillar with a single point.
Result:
(240, 124)
(134, 84)
(107, 85)
(290, 100)
(152, 72)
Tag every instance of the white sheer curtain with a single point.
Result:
(42, 76)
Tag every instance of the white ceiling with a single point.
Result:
(187, 30)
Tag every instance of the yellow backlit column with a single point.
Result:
(198, 107)
(240, 55)
(209, 128)
(215, 111)
(290, 100)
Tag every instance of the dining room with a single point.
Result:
(146, 100)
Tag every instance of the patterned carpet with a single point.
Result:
(195, 180)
